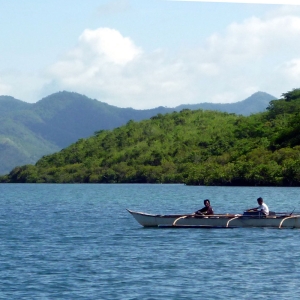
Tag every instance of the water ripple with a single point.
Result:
(78, 242)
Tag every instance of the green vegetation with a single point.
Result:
(192, 147)
(29, 131)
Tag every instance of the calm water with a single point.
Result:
(78, 242)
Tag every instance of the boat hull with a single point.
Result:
(215, 221)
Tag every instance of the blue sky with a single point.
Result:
(147, 53)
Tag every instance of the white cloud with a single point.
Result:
(100, 53)
(100, 46)
(110, 44)
(23, 86)
(255, 39)
(99, 57)
(145, 81)
(291, 69)
(5, 89)
(257, 54)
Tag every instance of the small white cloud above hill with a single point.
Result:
(291, 69)
(5, 89)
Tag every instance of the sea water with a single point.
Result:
(79, 242)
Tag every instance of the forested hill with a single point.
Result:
(29, 131)
(62, 118)
(9, 104)
(193, 147)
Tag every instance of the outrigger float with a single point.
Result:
(247, 219)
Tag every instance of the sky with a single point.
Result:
(148, 53)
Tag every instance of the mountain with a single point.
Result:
(9, 105)
(258, 102)
(29, 131)
(194, 147)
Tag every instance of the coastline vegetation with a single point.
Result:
(192, 147)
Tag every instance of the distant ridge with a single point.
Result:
(29, 131)
(256, 103)
(9, 104)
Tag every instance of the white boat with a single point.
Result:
(274, 220)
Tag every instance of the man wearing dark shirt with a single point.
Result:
(206, 210)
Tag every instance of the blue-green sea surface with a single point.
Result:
(79, 242)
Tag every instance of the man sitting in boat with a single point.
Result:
(206, 210)
(262, 208)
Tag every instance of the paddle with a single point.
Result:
(292, 212)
